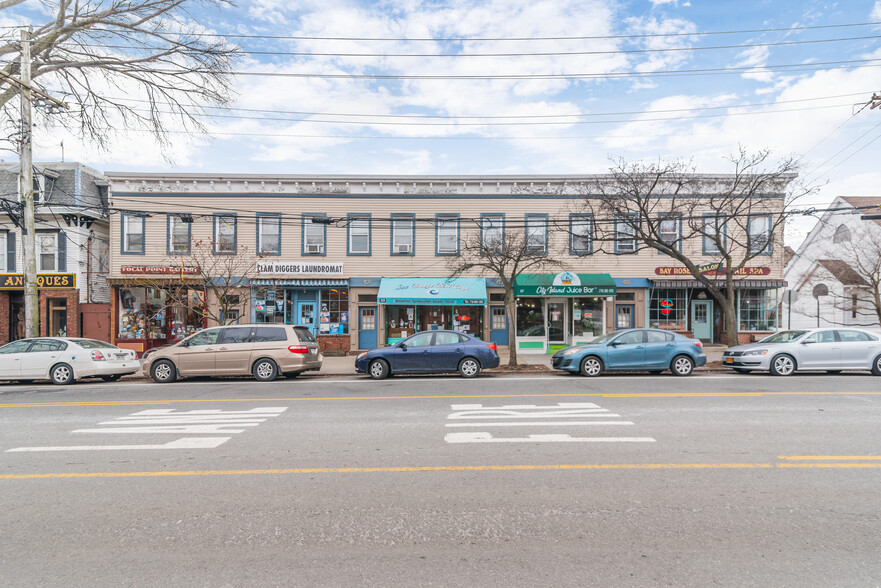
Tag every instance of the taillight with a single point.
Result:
(97, 355)
(698, 344)
(493, 346)
(298, 349)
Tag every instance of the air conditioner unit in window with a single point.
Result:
(402, 248)
(314, 248)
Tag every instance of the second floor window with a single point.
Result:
(269, 234)
(670, 231)
(314, 234)
(579, 234)
(402, 235)
(536, 233)
(492, 232)
(714, 234)
(447, 234)
(359, 234)
(759, 234)
(132, 233)
(3, 246)
(49, 252)
(178, 234)
(225, 233)
(625, 234)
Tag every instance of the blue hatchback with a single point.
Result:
(654, 350)
(430, 352)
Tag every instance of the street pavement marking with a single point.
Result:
(543, 423)
(412, 469)
(830, 457)
(183, 443)
(475, 437)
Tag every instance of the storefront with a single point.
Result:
(58, 300)
(430, 304)
(556, 310)
(152, 316)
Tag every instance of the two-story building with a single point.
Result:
(364, 261)
(72, 251)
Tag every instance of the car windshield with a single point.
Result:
(783, 337)
(93, 344)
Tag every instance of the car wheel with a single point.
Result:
(782, 365)
(741, 371)
(61, 374)
(469, 367)
(264, 370)
(876, 366)
(163, 371)
(111, 378)
(378, 369)
(682, 365)
(591, 366)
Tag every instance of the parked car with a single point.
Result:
(786, 352)
(65, 360)
(430, 352)
(654, 350)
(262, 350)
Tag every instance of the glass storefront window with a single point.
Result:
(530, 317)
(270, 305)
(187, 314)
(335, 311)
(587, 317)
(141, 313)
(400, 321)
(57, 317)
(668, 309)
(757, 309)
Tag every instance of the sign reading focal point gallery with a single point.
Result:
(294, 268)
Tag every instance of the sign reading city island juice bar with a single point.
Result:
(296, 268)
(44, 281)
(713, 269)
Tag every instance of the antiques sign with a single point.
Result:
(44, 281)
(288, 268)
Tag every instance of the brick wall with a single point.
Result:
(4, 317)
(744, 338)
(334, 345)
(73, 311)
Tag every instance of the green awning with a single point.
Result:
(431, 291)
(564, 284)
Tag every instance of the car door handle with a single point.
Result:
(670, 344)
(424, 352)
(458, 350)
(223, 349)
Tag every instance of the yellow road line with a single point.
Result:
(406, 469)
(435, 397)
(831, 457)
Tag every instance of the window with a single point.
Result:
(314, 234)
(656, 337)
(757, 309)
(304, 334)
(3, 246)
(47, 345)
(824, 337)
(854, 302)
(359, 234)
(580, 234)
(420, 340)
(854, 337)
(132, 233)
(402, 234)
(206, 337)
(670, 230)
(334, 313)
(530, 317)
(499, 319)
(842, 234)
(536, 233)
(668, 309)
(449, 338)
(225, 233)
(234, 335)
(270, 334)
(630, 338)
(269, 234)
(179, 234)
(714, 232)
(447, 234)
(587, 317)
(47, 251)
(625, 233)
(492, 232)
(496, 296)
(759, 234)
(15, 347)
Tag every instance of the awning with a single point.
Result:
(737, 284)
(300, 282)
(422, 291)
(564, 284)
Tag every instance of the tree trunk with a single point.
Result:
(730, 310)
(510, 310)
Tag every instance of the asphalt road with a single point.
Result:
(555, 480)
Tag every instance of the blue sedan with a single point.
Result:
(430, 352)
(633, 350)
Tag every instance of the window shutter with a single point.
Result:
(62, 251)
(10, 251)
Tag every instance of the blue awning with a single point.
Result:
(424, 291)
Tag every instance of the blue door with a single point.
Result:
(626, 351)
(306, 315)
(702, 319)
(498, 332)
(367, 327)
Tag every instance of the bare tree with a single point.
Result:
(505, 255)
(144, 51)
(862, 296)
(714, 225)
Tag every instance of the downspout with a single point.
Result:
(89, 267)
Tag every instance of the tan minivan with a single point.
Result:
(262, 350)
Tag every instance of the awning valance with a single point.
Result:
(564, 284)
(300, 282)
(737, 284)
(423, 291)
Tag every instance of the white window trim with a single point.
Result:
(359, 226)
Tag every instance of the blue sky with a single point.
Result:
(460, 127)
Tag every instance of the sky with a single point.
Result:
(633, 98)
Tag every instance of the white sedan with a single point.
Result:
(65, 360)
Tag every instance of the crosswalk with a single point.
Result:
(562, 414)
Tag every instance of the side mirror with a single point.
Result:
(402, 345)
(614, 343)
(806, 341)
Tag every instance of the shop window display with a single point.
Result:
(270, 305)
(188, 314)
(668, 309)
(141, 313)
(400, 321)
(587, 317)
(757, 310)
(530, 317)
(333, 316)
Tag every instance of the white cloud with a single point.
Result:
(876, 11)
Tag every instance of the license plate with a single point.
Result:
(729, 360)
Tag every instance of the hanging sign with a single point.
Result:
(44, 281)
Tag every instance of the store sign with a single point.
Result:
(288, 268)
(158, 269)
(666, 303)
(712, 269)
(44, 281)
(565, 284)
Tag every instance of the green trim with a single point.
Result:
(543, 285)
(530, 345)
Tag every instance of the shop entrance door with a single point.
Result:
(367, 327)
(702, 319)
(16, 316)
(556, 322)
(306, 315)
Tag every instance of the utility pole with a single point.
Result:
(26, 192)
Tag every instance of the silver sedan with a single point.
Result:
(831, 350)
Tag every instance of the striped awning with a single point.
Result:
(300, 282)
(737, 284)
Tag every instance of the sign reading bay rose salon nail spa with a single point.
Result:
(298, 268)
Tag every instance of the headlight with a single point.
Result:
(360, 355)
(756, 352)
(571, 351)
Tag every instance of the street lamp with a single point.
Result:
(819, 290)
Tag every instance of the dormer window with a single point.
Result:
(842, 234)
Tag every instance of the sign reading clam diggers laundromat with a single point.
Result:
(44, 281)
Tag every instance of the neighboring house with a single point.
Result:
(72, 251)
(834, 275)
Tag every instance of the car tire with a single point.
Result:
(111, 378)
(378, 369)
(163, 372)
(61, 374)
(782, 365)
(876, 366)
(591, 366)
(469, 367)
(264, 370)
(682, 365)
(741, 371)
